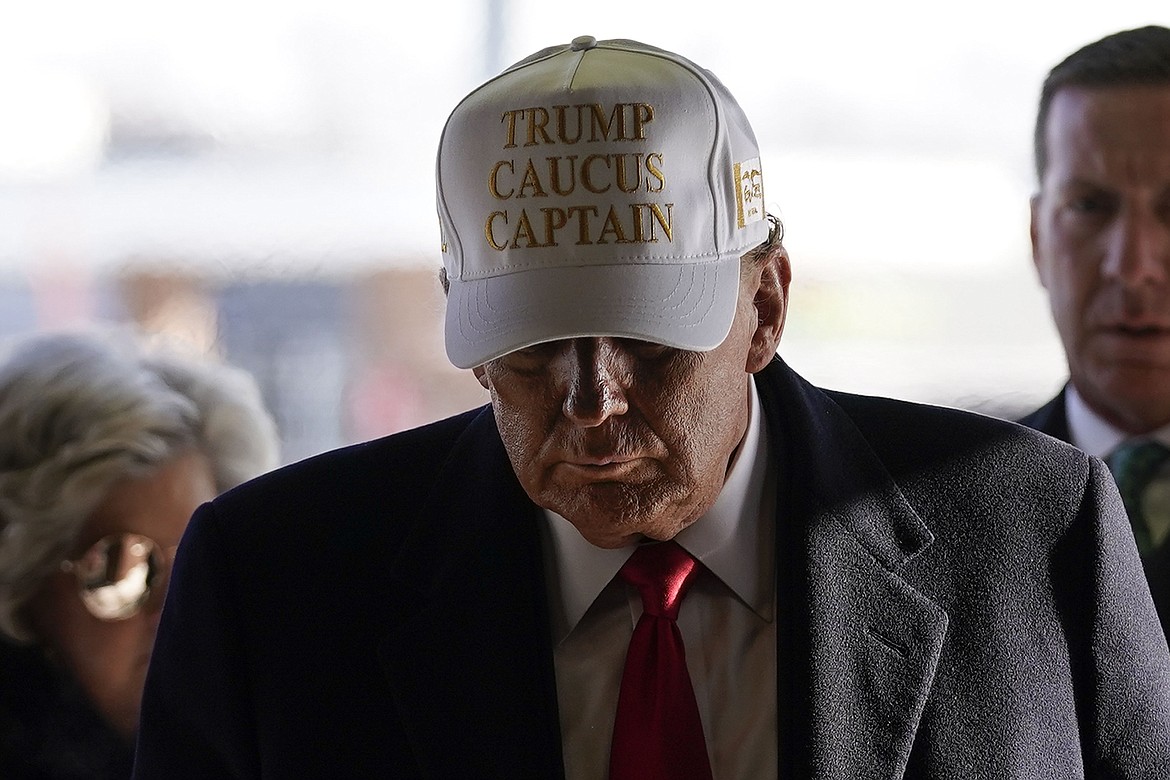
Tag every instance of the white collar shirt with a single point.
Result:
(727, 621)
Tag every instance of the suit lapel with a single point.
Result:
(470, 664)
(469, 655)
(858, 645)
(875, 642)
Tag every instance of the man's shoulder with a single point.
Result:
(933, 437)
(403, 463)
(913, 434)
(974, 476)
(880, 413)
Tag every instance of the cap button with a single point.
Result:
(583, 42)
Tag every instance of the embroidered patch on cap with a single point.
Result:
(749, 192)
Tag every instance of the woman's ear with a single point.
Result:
(771, 305)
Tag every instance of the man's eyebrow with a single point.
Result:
(1080, 182)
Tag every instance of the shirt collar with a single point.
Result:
(726, 539)
(1093, 434)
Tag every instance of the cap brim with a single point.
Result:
(683, 306)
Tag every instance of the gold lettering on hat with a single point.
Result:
(509, 120)
(554, 174)
(524, 230)
(623, 176)
(531, 181)
(535, 121)
(489, 233)
(612, 226)
(653, 167)
(616, 175)
(749, 192)
(665, 221)
(583, 213)
(639, 223)
(597, 173)
(562, 123)
(493, 179)
(643, 115)
(587, 173)
(627, 122)
(620, 122)
(538, 121)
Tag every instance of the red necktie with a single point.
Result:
(657, 734)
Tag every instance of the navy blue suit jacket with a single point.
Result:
(958, 597)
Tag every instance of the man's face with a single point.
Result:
(1101, 244)
(627, 438)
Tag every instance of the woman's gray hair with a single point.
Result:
(81, 410)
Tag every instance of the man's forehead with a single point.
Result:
(1110, 133)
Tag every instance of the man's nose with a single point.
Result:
(1139, 248)
(595, 382)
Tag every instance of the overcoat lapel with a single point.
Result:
(858, 644)
(471, 664)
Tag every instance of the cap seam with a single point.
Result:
(625, 261)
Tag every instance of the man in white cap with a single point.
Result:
(658, 552)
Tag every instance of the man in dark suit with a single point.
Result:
(658, 552)
(1101, 244)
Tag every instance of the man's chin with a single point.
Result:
(1134, 396)
(621, 531)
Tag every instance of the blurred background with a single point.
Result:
(255, 178)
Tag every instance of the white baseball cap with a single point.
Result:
(601, 188)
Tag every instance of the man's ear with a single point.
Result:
(481, 375)
(771, 305)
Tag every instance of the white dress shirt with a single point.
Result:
(727, 620)
(1098, 437)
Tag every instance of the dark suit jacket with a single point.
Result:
(1051, 418)
(959, 597)
(48, 725)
